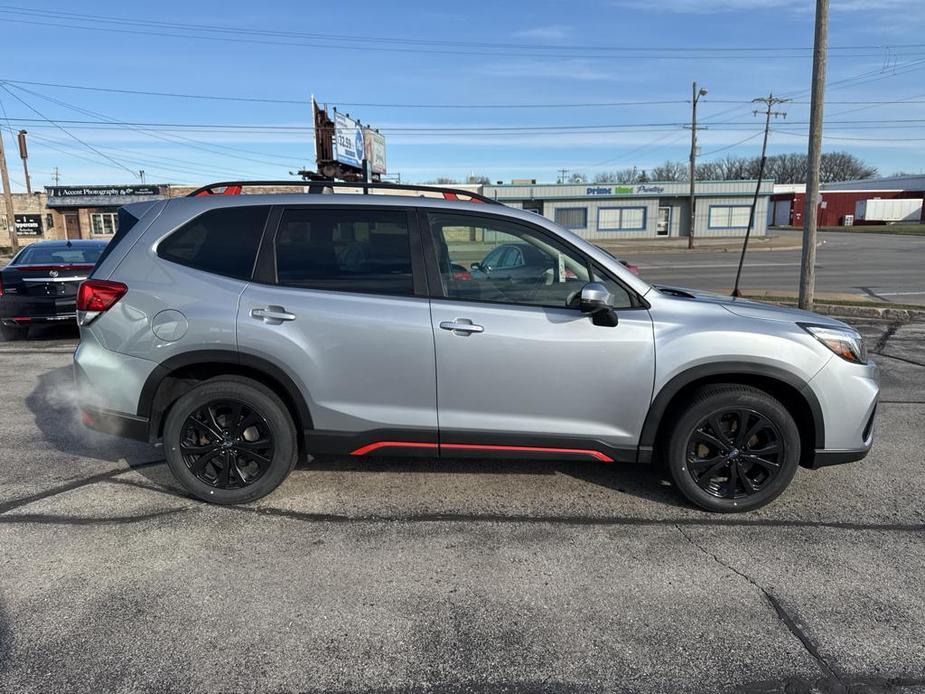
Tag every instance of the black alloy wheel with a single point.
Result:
(732, 447)
(227, 444)
(735, 453)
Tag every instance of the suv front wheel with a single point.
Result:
(734, 448)
(230, 441)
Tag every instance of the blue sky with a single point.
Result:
(479, 54)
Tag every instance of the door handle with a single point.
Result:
(274, 315)
(462, 325)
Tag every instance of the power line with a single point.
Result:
(173, 139)
(65, 131)
(400, 41)
(351, 104)
(735, 144)
(357, 104)
(447, 129)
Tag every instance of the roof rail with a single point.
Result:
(235, 188)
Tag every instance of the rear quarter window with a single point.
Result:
(223, 241)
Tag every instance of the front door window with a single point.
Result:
(663, 228)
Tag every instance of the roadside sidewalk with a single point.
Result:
(771, 242)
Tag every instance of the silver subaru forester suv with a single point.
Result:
(245, 331)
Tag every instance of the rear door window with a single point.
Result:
(223, 241)
(347, 250)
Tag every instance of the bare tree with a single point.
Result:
(782, 168)
(577, 177)
(482, 180)
(842, 166)
(670, 171)
(621, 176)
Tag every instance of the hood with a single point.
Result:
(749, 308)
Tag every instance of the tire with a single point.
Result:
(205, 424)
(723, 465)
(13, 332)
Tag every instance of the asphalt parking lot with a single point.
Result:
(457, 576)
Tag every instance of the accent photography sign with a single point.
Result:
(107, 191)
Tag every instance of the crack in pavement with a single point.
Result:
(40, 519)
(785, 618)
(13, 504)
(903, 359)
(887, 334)
(315, 517)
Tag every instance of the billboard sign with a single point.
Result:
(28, 224)
(348, 141)
(374, 149)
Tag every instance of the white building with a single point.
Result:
(600, 211)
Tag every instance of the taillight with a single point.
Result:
(99, 295)
(1, 285)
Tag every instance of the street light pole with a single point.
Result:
(695, 96)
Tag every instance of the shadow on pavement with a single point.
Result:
(643, 481)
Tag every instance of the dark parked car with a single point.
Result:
(40, 284)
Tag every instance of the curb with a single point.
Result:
(898, 314)
(648, 249)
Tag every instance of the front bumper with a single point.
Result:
(848, 394)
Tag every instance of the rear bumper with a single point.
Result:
(115, 423)
(27, 310)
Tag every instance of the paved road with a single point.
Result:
(465, 576)
(881, 266)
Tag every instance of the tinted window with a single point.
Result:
(223, 241)
(528, 268)
(57, 255)
(126, 220)
(365, 251)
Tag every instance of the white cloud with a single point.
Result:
(573, 69)
(552, 33)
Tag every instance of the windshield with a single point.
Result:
(59, 255)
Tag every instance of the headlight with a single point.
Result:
(846, 343)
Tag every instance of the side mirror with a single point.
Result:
(475, 266)
(595, 300)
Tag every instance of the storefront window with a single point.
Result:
(103, 223)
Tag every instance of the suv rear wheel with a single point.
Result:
(230, 441)
(734, 448)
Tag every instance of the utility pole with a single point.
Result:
(695, 96)
(57, 176)
(8, 198)
(24, 155)
(141, 175)
(820, 51)
(562, 175)
(770, 102)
